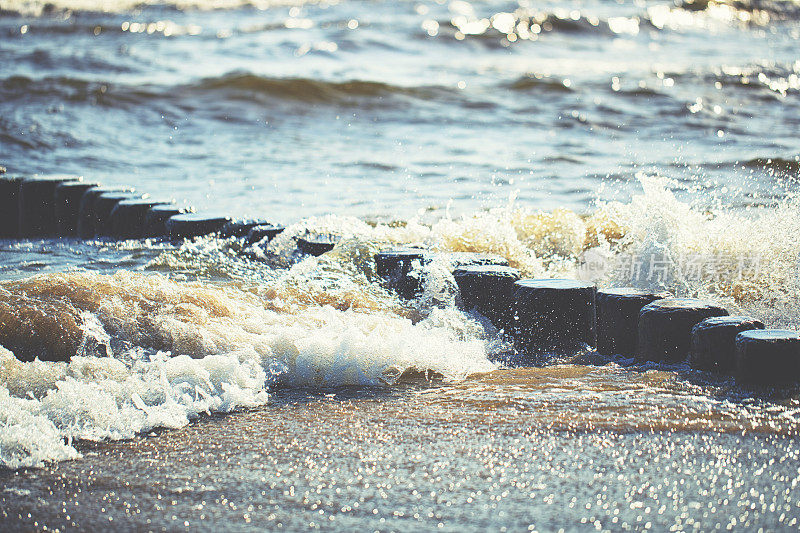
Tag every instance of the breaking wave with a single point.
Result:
(149, 349)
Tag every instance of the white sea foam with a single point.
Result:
(180, 348)
(229, 348)
(745, 259)
(103, 398)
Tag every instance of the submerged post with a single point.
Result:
(395, 267)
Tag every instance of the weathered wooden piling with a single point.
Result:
(768, 357)
(316, 245)
(554, 315)
(665, 327)
(190, 225)
(489, 289)
(618, 318)
(263, 231)
(37, 205)
(713, 346)
(155, 221)
(128, 217)
(103, 206)
(9, 206)
(400, 270)
(240, 227)
(86, 212)
(68, 197)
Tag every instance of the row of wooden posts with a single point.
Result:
(544, 317)
(541, 316)
(68, 206)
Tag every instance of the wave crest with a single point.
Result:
(232, 87)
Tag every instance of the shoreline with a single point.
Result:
(371, 461)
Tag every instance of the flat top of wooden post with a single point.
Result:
(53, 177)
(632, 292)
(681, 303)
(486, 269)
(555, 284)
(770, 334)
(198, 217)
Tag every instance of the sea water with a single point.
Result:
(212, 384)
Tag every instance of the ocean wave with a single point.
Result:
(307, 90)
(234, 87)
(523, 24)
(520, 24)
(540, 83)
(63, 88)
(772, 80)
(776, 165)
(710, 14)
(93, 398)
(178, 350)
(768, 81)
(779, 166)
(146, 350)
(758, 9)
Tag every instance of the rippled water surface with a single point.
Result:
(430, 458)
(212, 384)
(384, 108)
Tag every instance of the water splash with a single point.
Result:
(262, 317)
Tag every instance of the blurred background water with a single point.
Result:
(385, 108)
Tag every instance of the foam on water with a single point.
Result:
(269, 318)
(746, 259)
(103, 398)
(182, 349)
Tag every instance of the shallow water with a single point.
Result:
(484, 454)
(647, 144)
(339, 393)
